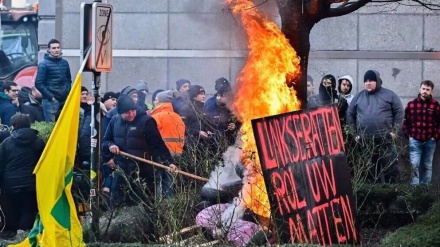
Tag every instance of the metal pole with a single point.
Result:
(94, 155)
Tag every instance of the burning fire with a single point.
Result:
(261, 90)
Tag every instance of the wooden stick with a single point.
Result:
(208, 244)
(169, 238)
(163, 166)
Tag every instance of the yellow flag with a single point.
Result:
(54, 173)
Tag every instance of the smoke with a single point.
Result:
(224, 173)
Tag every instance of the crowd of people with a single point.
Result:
(375, 117)
(172, 124)
(178, 124)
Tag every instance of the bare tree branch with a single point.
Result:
(350, 6)
(346, 8)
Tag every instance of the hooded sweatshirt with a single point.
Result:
(329, 95)
(19, 155)
(348, 96)
(375, 114)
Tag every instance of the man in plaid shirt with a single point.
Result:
(422, 126)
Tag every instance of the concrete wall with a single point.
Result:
(163, 41)
(389, 39)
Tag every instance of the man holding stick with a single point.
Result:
(135, 133)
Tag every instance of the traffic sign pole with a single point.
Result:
(96, 34)
(94, 155)
(95, 162)
(96, 113)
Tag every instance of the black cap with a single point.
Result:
(125, 104)
(109, 95)
(370, 75)
(195, 90)
(220, 82)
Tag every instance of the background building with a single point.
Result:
(163, 41)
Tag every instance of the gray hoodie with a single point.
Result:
(376, 113)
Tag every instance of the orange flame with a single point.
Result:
(261, 90)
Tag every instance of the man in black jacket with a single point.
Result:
(19, 154)
(136, 134)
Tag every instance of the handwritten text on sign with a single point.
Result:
(305, 169)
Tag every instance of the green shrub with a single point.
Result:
(44, 129)
(424, 232)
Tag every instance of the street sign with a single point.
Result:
(85, 34)
(102, 18)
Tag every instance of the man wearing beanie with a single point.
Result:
(225, 123)
(108, 101)
(132, 93)
(219, 83)
(137, 135)
(421, 126)
(375, 115)
(172, 129)
(345, 85)
(199, 130)
(182, 86)
(154, 99)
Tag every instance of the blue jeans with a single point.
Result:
(50, 110)
(421, 155)
(164, 183)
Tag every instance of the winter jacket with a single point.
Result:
(84, 133)
(53, 78)
(179, 104)
(220, 117)
(170, 126)
(375, 114)
(7, 109)
(105, 120)
(422, 119)
(139, 137)
(210, 103)
(4, 134)
(195, 119)
(19, 154)
(33, 109)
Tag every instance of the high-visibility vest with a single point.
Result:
(170, 126)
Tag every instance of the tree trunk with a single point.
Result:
(296, 26)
